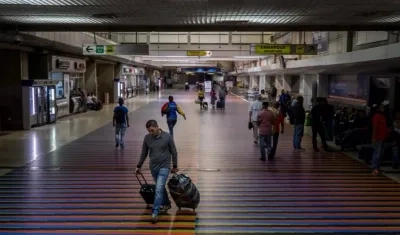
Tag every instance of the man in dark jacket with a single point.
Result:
(299, 116)
(317, 127)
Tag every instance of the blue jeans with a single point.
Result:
(171, 123)
(120, 129)
(298, 135)
(377, 155)
(161, 198)
(265, 142)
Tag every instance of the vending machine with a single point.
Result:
(39, 103)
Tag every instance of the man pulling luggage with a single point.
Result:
(162, 149)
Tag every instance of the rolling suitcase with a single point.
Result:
(147, 191)
(219, 104)
(183, 192)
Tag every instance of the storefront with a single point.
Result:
(69, 73)
(141, 81)
(128, 81)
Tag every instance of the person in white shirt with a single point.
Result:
(254, 110)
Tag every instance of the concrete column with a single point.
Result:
(262, 83)
(287, 83)
(279, 82)
(323, 85)
(10, 90)
(91, 78)
(268, 83)
(105, 81)
(306, 87)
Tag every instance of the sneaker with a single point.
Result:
(154, 219)
(166, 208)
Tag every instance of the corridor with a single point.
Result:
(88, 187)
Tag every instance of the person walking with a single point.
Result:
(299, 117)
(317, 126)
(162, 149)
(254, 110)
(120, 122)
(266, 121)
(170, 109)
(279, 125)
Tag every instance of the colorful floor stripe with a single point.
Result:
(88, 186)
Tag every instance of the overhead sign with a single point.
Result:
(284, 49)
(121, 49)
(93, 49)
(199, 53)
(272, 49)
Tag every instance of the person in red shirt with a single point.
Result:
(279, 122)
(266, 121)
(379, 134)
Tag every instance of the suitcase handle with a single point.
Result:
(140, 182)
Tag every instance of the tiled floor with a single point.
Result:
(87, 186)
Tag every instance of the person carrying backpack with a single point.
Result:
(170, 109)
(120, 122)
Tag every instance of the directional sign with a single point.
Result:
(121, 49)
(199, 53)
(272, 49)
(284, 49)
(300, 49)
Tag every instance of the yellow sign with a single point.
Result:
(300, 49)
(198, 53)
(272, 49)
(110, 49)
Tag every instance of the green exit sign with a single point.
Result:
(99, 49)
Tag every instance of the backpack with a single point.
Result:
(120, 115)
(165, 108)
(290, 114)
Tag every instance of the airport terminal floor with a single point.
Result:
(88, 187)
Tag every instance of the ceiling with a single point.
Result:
(199, 15)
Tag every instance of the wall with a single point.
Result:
(10, 89)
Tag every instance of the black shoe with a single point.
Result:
(165, 208)
(262, 159)
(116, 145)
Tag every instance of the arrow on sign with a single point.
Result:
(311, 49)
(89, 49)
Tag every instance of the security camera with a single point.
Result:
(18, 39)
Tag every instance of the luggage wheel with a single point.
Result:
(148, 206)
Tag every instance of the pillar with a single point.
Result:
(323, 85)
(105, 81)
(268, 84)
(13, 69)
(263, 84)
(306, 87)
(279, 82)
(91, 78)
(287, 83)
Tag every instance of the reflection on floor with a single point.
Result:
(19, 148)
(88, 186)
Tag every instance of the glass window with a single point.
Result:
(349, 86)
(60, 84)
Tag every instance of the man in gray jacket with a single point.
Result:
(162, 148)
